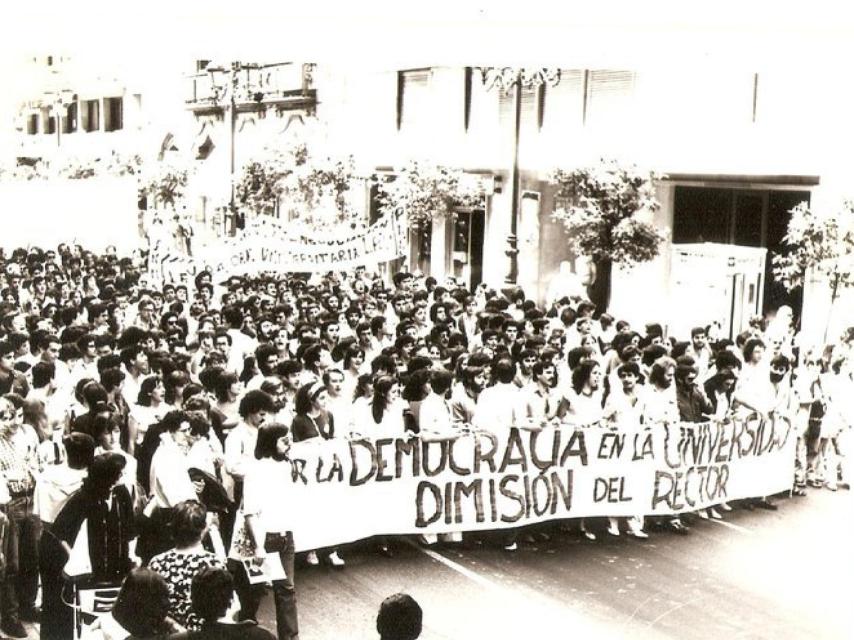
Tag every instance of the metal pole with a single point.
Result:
(512, 251)
(232, 136)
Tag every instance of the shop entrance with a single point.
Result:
(745, 217)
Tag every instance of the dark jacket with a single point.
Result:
(692, 403)
(304, 427)
(110, 531)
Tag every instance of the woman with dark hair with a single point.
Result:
(175, 383)
(106, 431)
(312, 419)
(149, 409)
(105, 507)
(180, 565)
(227, 390)
(354, 360)
(140, 611)
(364, 391)
(582, 402)
(268, 527)
(416, 390)
(581, 405)
(383, 417)
(94, 398)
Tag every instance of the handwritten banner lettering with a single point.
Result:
(347, 490)
(270, 246)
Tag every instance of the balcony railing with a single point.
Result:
(286, 85)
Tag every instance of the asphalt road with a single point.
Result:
(760, 574)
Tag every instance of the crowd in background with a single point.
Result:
(155, 417)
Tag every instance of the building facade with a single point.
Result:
(737, 149)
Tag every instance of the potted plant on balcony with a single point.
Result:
(602, 208)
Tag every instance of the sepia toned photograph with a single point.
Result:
(472, 321)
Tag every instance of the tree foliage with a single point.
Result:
(819, 242)
(164, 183)
(423, 191)
(308, 188)
(601, 207)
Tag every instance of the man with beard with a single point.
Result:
(267, 359)
(693, 404)
(527, 360)
(700, 351)
(465, 394)
(622, 409)
(660, 408)
(540, 400)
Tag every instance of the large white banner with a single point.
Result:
(269, 245)
(347, 490)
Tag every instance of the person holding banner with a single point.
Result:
(500, 407)
(314, 421)
(623, 411)
(660, 408)
(383, 417)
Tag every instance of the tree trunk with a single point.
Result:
(599, 290)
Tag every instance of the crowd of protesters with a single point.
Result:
(156, 417)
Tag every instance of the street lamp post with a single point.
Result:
(225, 97)
(515, 79)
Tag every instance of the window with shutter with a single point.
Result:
(69, 120)
(530, 111)
(113, 114)
(90, 113)
(563, 106)
(50, 125)
(609, 96)
(413, 100)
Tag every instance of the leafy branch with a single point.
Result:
(424, 192)
(601, 208)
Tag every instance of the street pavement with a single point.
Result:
(759, 574)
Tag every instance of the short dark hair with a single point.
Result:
(143, 603)
(399, 618)
(211, 592)
(43, 373)
(255, 401)
(112, 378)
(79, 450)
(505, 370)
(188, 522)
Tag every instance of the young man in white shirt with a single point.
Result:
(240, 442)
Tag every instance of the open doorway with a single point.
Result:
(467, 247)
(745, 217)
